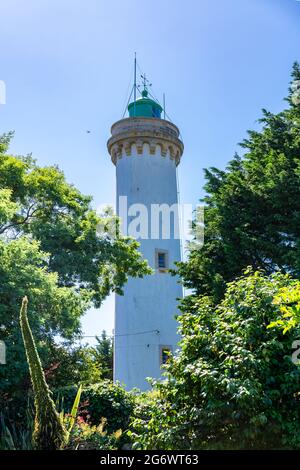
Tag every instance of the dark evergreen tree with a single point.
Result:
(103, 355)
(252, 213)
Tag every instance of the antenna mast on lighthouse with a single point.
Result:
(134, 85)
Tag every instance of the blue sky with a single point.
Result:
(67, 65)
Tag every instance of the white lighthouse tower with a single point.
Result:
(146, 150)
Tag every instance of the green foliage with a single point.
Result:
(13, 437)
(103, 400)
(288, 300)
(52, 251)
(252, 209)
(40, 203)
(71, 364)
(54, 311)
(88, 437)
(74, 411)
(49, 432)
(7, 207)
(102, 354)
(233, 384)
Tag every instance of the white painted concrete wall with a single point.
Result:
(148, 304)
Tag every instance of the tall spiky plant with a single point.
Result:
(49, 432)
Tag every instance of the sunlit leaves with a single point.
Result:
(233, 383)
(288, 300)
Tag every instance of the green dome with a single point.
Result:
(145, 107)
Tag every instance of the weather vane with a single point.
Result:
(145, 82)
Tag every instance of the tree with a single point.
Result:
(41, 204)
(55, 310)
(51, 250)
(71, 364)
(233, 384)
(103, 355)
(252, 209)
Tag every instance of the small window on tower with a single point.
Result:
(161, 261)
(165, 352)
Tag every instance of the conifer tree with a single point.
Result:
(252, 208)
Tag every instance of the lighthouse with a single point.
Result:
(146, 150)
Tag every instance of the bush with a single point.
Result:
(87, 437)
(103, 400)
(233, 384)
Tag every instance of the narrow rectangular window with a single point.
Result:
(164, 353)
(161, 260)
